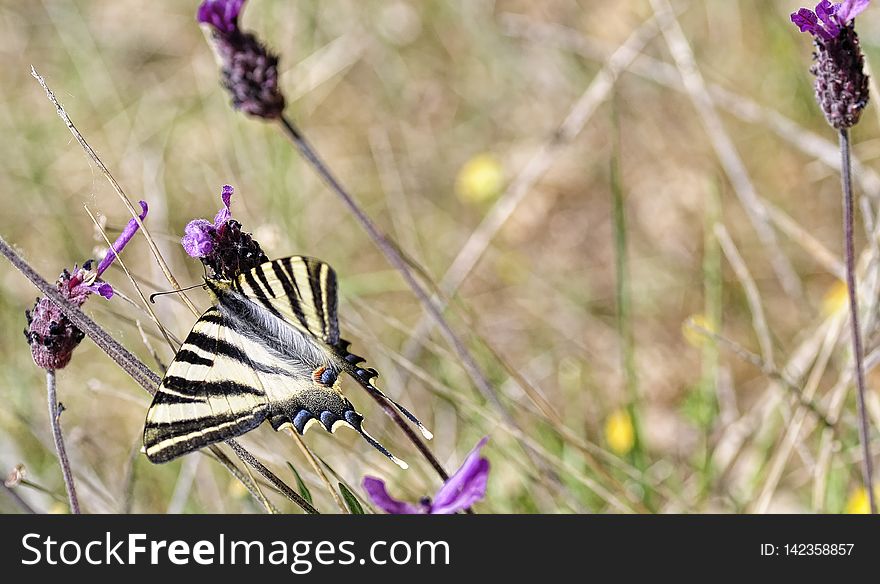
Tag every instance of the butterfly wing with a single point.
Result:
(225, 381)
(299, 290)
(211, 392)
(302, 292)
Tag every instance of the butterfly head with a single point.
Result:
(217, 287)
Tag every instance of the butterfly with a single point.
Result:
(268, 349)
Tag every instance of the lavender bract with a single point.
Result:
(249, 69)
(460, 491)
(51, 335)
(841, 83)
(221, 14)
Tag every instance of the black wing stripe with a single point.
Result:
(332, 300)
(289, 291)
(261, 274)
(187, 356)
(260, 293)
(220, 347)
(313, 269)
(288, 266)
(169, 398)
(227, 387)
(212, 317)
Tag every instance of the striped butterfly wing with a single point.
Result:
(299, 290)
(211, 392)
(302, 291)
(227, 379)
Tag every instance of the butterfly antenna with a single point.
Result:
(153, 296)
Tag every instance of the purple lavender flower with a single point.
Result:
(249, 70)
(201, 236)
(828, 19)
(841, 84)
(51, 335)
(463, 489)
(222, 245)
(221, 14)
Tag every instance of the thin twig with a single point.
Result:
(270, 476)
(55, 410)
(793, 426)
(849, 254)
(753, 297)
(129, 363)
(766, 369)
(90, 152)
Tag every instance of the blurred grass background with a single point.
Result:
(428, 111)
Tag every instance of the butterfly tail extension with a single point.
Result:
(365, 376)
(355, 420)
(303, 419)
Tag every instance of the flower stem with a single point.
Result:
(395, 258)
(55, 410)
(864, 430)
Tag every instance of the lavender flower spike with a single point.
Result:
(51, 335)
(463, 489)
(248, 69)
(200, 236)
(841, 83)
(222, 245)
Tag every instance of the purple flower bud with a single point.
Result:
(461, 490)
(221, 14)
(224, 214)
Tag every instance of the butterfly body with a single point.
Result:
(269, 349)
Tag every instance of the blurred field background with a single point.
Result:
(436, 114)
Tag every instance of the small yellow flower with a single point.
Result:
(858, 503)
(836, 299)
(237, 490)
(58, 508)
(480, 179)
(619, 432)
(691, 329)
